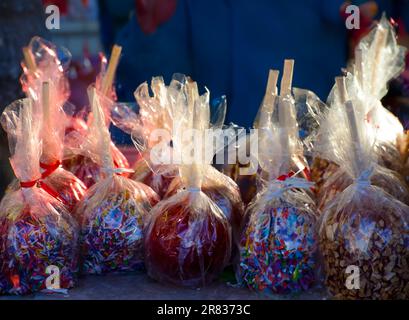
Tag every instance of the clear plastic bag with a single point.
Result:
(279, 243)
(113, 211)
(388, 180)
(247, 183)
(224, 192)
(46, 83)
(188, 238)
(328, 146)
(44, 61)
(159, 112)
(378, 59)
(155, 112)
(366, 228)
(77, 159)
(111, 218)
(81, 146)
(310, 111)
(362, 227)
(36, 230)
(86, 168)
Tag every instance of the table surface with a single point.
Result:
(141, 287)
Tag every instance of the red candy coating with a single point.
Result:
(186, 245)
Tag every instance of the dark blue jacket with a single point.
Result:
(229, 45)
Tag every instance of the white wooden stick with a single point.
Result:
(342, 91)
(112, 65)
(196, 124)
(359, 66)
(267, 105)
(287, 79)
(99, 122)
(379, 43)
(29, 60)
(356, 143)
(193, 95)
(283, 112)
(271, 89)
(353, 126)
(26, 127)
(47, 123)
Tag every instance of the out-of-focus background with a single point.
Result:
(226, 45)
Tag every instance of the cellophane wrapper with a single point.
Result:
(365, 231)
(310, 110)
(112, 212)
(51, 64)
(81, 147)
(112, 216)
(333, 141)
(36, 230)
(188, 237)
(82, 164)
(188, 241)
(278, 245)
(279, 242)
(243, 174)
(156, 113)
(159, 113)
(388, 180)
(382, 61)
(158, 177)
(225, 193)
(362, 227)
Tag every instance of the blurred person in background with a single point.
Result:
(230, 45)
(113, 16)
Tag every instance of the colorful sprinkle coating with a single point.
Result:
(111, 234)
(29, 244)
(278, 250)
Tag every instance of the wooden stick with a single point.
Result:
(29, 60)
(99, 122)
(379, 43)
(26, 126)
(406, 145)
(403, 143)
(195, 178)
(342, 91)
(340, 81)
(194, 90)
(193, 95)
(271, 89)
(91, 94)
(287, 79)
(45, 97)
(112, 65)
(268, 101)
(359, 66)
(356, 143)
(283, 113)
